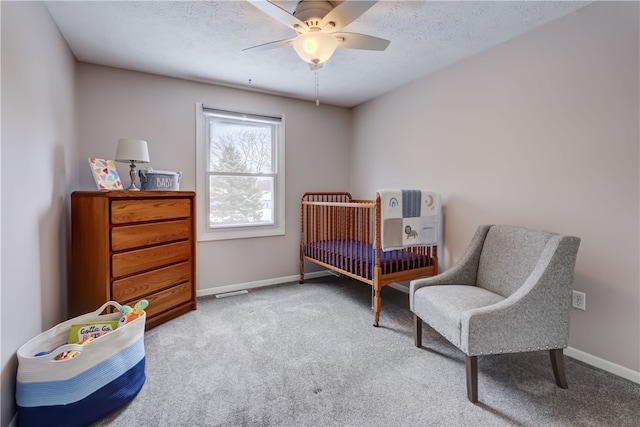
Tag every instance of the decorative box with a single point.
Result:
(151, 179)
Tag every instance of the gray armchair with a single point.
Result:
(510, 292)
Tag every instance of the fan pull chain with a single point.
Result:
(317, 90)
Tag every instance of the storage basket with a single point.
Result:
(104, 375)
(151, 179)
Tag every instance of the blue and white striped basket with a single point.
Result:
(107, 373)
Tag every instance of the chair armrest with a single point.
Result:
(534, 317)
(464, 272)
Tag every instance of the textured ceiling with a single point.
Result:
(204, 41)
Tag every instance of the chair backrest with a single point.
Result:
(509, 255)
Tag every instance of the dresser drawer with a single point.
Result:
(135, 236)
(140, 260)
(169, 298)
(136, 287)
(126, 211)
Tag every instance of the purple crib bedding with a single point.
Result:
(358, 257)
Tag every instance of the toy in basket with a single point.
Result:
(129, 314)
(98, 376)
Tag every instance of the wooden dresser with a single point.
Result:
(133, 245)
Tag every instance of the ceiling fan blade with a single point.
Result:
(345, 13)
(361, 41)
(270, 45)
(279, 14)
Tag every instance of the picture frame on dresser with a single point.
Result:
(127, 246)
(105, 174)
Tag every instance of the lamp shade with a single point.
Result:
(315, 47)
(132, 150)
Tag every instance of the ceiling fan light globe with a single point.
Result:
(310, 46)
(315, 47)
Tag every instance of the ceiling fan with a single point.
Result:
(317, 24)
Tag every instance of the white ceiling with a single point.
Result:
(204, 41)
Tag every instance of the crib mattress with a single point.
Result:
(358, 257)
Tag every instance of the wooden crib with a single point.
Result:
(343, 235)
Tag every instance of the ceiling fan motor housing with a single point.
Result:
(311, 12)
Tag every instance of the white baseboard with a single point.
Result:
(259, 283)
(400, 287)
(603, 364)
(580, 355)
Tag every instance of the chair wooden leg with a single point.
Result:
(557, 364)
(417, 330)
(471, 363)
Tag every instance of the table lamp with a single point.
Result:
(132, 151)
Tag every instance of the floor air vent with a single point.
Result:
(231, 294)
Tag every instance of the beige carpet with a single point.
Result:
(307, 355)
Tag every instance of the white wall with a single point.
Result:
(38, 169)
(542, 132)
(117, 104)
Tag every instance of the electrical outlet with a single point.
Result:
(579, 300)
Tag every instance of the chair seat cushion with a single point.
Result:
(441, 307)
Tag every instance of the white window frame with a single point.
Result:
(202, 187)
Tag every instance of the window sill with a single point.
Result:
(209, 236)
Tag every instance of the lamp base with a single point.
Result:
(132, 174)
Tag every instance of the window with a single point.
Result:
(240, 178)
